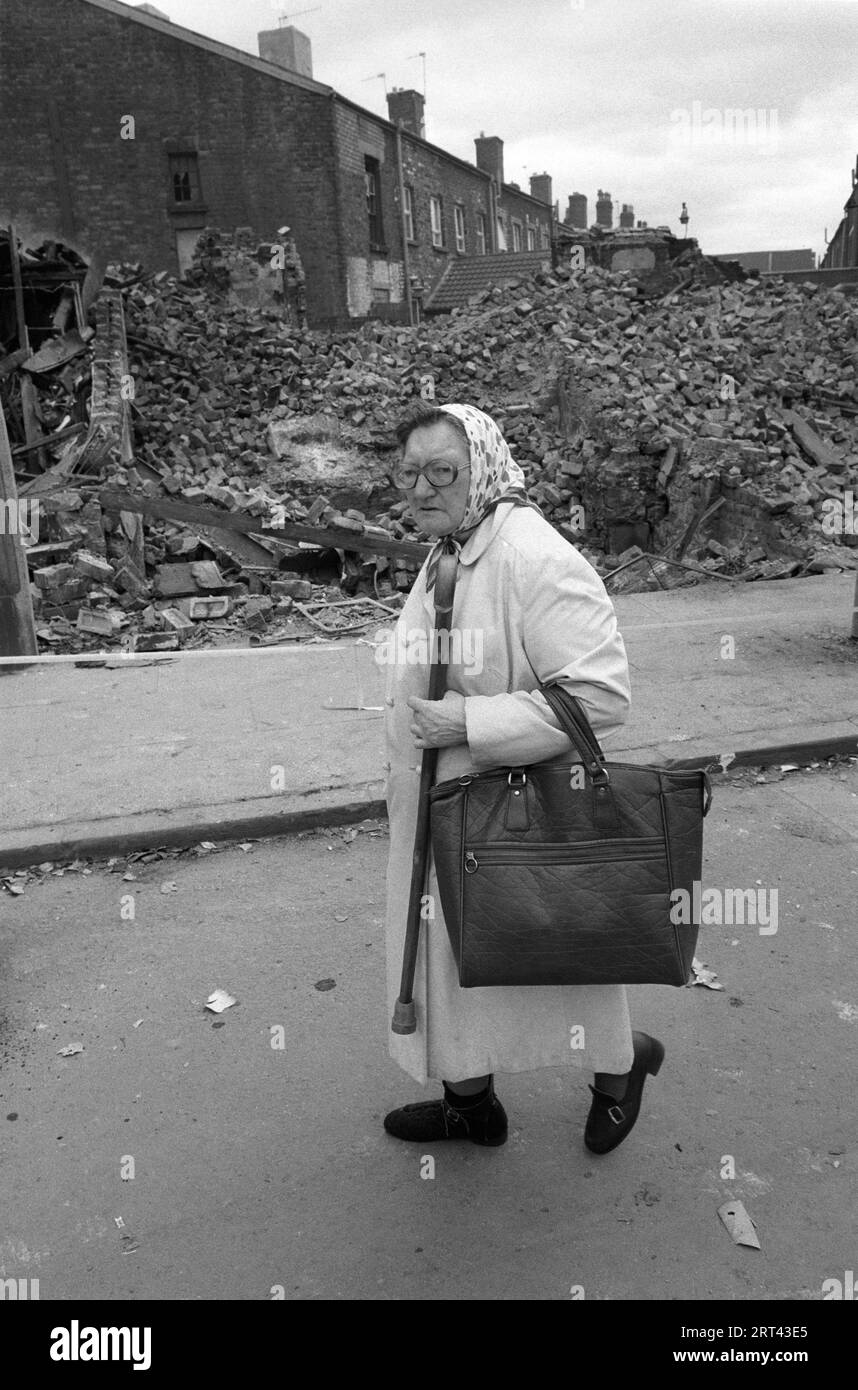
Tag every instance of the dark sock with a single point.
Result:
(460, 1102)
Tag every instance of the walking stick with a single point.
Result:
(404, 1013)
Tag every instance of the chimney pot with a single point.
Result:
(288, 48)
(407, 105)
(576, 213)
(540, 187)
(490, 156)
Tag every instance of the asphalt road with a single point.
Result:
(256, 1166)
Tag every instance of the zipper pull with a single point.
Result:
(471, 868)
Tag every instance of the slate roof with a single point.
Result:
(468, 275)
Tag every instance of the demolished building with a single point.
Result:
(204, 470)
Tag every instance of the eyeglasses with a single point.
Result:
(439, 475)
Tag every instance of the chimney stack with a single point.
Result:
(604, 210)
(407, 105)
(288, 48)
(490, 156)
(576, 213)
(627, 216)
(540, 187)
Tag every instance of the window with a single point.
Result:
(531, 238)
(516, 236)
(436, 213)
(372, 176)
(481, 234)
(544, 238)
(185, 178)
(409, 214)
(459, 223)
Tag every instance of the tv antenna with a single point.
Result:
(423, 56)
(295, 14)
(375, 75)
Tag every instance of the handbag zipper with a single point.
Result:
(593, 852)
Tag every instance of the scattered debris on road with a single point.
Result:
(219, 1000)
(739, 1224)
(703, 976)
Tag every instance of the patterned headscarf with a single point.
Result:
(495, 477)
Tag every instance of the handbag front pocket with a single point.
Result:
(559, 913)
(560, 852)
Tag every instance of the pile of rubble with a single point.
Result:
(713, 421)
(136, 414)
(627, 408)
(595, 383)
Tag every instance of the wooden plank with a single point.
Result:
(812, 444)
(29, 396)
(157, 348)
(243, 550)
(23, 337)
(32, 428)
(17, 628)
(93, 281)
(68, 433)
(324, 536)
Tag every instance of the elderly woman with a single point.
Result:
(542, 614)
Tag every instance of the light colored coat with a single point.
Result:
(544, 614)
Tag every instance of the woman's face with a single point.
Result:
(438, 510)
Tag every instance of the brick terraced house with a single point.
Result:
(124, 134)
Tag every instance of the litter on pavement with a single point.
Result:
(219, 1000)
(704, 976)
(739, 1224)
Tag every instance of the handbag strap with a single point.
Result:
(568, 709)
(576, 725)
(445, 588)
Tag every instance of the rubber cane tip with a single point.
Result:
(404, 1018)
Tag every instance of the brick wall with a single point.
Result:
(265, 146)
(526, 211)
(430, 174)
(372, 276)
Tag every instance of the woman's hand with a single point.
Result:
(438, 723)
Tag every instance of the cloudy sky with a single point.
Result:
(632, 96)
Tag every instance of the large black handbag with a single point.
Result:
(559, 874)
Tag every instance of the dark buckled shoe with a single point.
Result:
(428, 1121)
(611, 1120)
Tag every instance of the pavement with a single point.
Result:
(250, 742)
(186, 1155)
